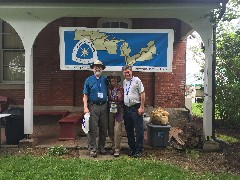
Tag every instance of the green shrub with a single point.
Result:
(57, 150)
(193, 153)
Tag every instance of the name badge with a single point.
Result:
(100, 95)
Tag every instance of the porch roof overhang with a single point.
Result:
(114, 1)
(43, 12)
(51, 11)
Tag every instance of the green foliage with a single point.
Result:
(57, 150)
(231, 12)
(227, 64)
(228, 77)
(48, 167)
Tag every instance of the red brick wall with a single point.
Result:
(52, 86)
(148, 82)
(55, 87)
(170, 87)
(16, 96)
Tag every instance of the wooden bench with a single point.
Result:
(70, 126)
(48, 116)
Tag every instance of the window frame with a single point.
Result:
(2, 49)
(101, 21)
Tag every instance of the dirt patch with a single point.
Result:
(200, 161)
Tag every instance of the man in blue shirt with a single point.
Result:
(95, 103)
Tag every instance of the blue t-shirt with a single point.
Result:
(96, 89)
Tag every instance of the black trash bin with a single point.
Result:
(14, 125)
(158, 135)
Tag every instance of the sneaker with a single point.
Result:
(137, 155)
(111, 152)
(102, 151)
(93, 154)
(131, 152)
(116, 153)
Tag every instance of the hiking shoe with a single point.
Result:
(137, 155)
(112, 152)
(102, 151)
(131, 152)
(93, 154)
(116, 153)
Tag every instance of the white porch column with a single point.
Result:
(207, 104)
(28, 101)
(204, 28)
(27, 28)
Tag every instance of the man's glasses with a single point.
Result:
(98, 67)
(127, 72)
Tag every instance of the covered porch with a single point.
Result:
(30, 19)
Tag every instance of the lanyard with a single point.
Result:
(128, 87)
(114, 94)
(99, 84)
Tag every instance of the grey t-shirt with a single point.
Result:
(132, 90)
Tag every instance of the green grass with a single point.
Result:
(197, 109)
(227, 138)
(49, 167)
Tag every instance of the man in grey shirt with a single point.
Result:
(134, 98)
